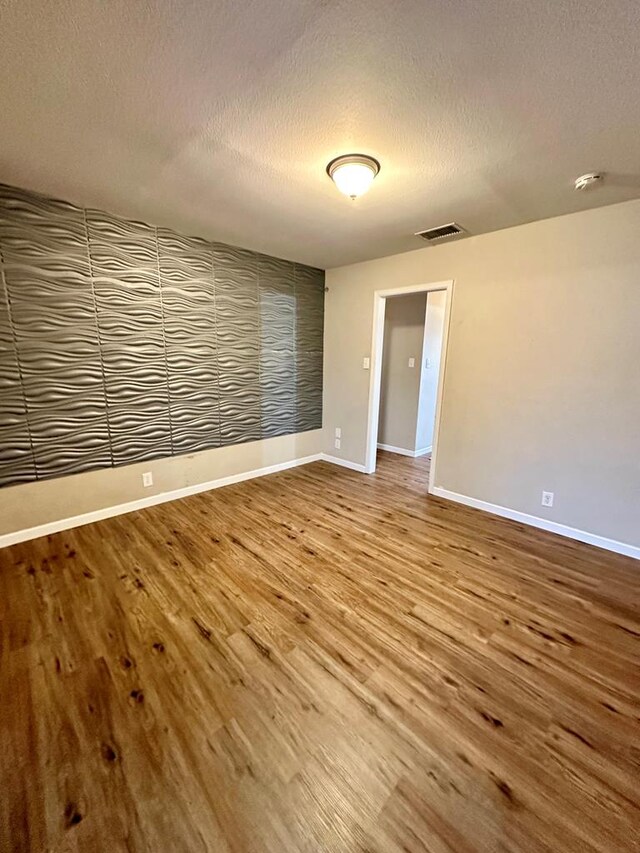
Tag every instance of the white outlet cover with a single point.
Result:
(336, 444)
(338, 432)
(412, 362)
(147, 479)
(547, 499)
(365, 363)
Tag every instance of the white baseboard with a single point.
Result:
(403, 450)
(542, 523)
(345, 463)
(152, 500)
(163, 497)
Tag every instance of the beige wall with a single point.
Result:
(44, 501)
(431, 350)
(542, 385)
(400, 384)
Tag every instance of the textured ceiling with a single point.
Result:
(218, 118)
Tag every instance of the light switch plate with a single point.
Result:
(147, 479)
(365, 363)
(412, 362)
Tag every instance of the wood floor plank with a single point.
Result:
(318, 661)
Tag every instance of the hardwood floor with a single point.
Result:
(318, 661)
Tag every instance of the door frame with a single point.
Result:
(377, 342)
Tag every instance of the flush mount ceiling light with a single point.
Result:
(353, 174)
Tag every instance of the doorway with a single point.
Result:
(436, 384)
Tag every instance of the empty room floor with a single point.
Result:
(318, 661)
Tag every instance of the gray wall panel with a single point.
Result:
(278, 345)
(122, 342)
(278, 393)
(309, 299)
(308, 389)
(17, 464)
(47, 277)
(16, 456)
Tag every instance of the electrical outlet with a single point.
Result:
(547, 499)
(412, 362)
(366, 362)
(338, 432)
(147, 479)
(336, 444)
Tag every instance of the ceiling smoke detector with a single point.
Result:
(442, 233)
(588, 180)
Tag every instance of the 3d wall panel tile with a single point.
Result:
(121, 342)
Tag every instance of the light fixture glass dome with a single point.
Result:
(353, 174)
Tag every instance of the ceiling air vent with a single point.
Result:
(441, 233)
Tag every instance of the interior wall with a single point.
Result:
(430, 369)
(404, 323)
(542, 386)
(121, 342)
(45, 501)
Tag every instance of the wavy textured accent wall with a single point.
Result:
(121, 342)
